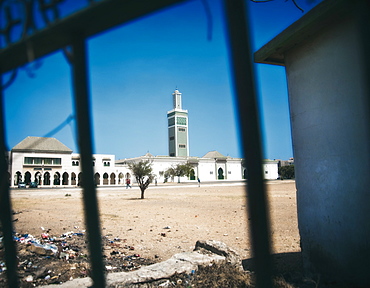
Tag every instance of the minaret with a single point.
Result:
(177, 100)
(178, 144)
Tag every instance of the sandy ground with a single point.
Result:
(170, 219)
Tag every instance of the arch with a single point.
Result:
(38, 177)
(112, 179)
(27, 177)
(73, 178)
(220, 172)
(120, 178)
(65, 178)
(17, 177)
(56, 178)
(47, 178)
(192, 174)
(97, 178)
(105, 179)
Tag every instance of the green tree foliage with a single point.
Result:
(143, 173)
(179, 170)
(286, 172)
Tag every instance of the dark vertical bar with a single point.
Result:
(5, 204)
(241, 58)
(84, 135)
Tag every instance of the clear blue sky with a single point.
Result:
(135, 68)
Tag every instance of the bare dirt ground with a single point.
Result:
(170, 219)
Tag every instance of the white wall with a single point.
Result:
(234, 170)
(18, 165)
(207, 170)
(270, 170)
(329, 108)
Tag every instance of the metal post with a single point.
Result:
(5, 204)
(84, 135)
(241, 58)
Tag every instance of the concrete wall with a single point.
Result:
(207, 170)
(270, 170)
(329, 109)
(234, 170)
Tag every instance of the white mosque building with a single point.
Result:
(50, 163)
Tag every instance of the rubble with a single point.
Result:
(219, 248)
(185, 263)
(63, 259)
(49, 259)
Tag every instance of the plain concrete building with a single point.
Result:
(328, 82)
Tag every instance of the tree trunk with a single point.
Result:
(142, 194)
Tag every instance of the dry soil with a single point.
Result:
(170, 219)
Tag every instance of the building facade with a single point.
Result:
(213, 166)
(50, 163)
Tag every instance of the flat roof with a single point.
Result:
(302, 30)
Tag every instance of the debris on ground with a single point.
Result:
(48, 259)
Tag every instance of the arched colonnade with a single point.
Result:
(49, 178)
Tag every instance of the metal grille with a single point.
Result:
(73, 31)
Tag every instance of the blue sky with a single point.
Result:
(135, 68)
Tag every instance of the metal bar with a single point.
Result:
(96, 18)
(5, 204)
(84, 135)
(241, 58)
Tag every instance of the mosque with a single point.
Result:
(50, 163)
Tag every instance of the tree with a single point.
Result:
(286, 172)
(143, 173)
(179, 170)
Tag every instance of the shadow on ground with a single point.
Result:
(288, 266)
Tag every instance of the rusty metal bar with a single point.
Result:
(84, 136)
(5, 204)
(241, 58)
